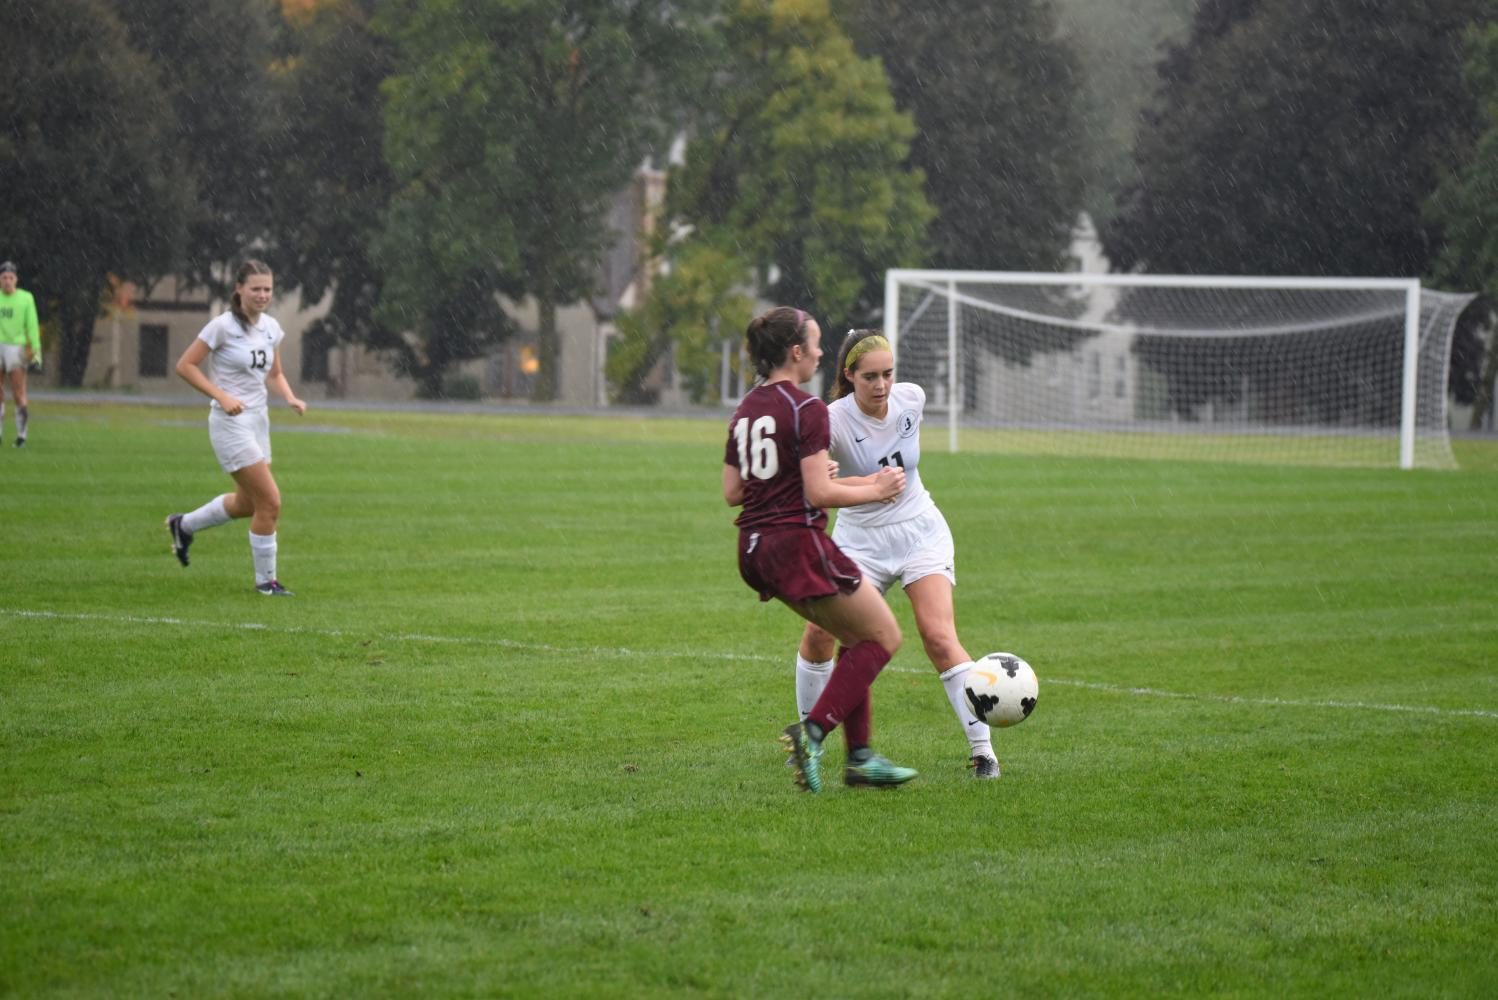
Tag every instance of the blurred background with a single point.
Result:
(581, 203)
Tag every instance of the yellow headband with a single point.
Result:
(867, 345)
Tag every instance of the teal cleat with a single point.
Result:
(875, 771)
(805, 756)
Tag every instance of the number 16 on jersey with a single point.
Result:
(758, 455)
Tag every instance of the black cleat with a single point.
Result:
(273, 588)
(181, 537)
(984, 767)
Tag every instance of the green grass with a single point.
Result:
(515, 736)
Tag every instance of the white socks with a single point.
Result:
(975, 729)
(811, 678)
(210, 515)
(262, 547)
(263, 550)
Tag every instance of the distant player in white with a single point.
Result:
(243, 347)
(876, 422)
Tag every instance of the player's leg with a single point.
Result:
(257, 487)
(817, 654)
(865, 626)
(220, 510)
(235, 446)
(4, 374)
(814, 660)
(23, 414)
(936, 620)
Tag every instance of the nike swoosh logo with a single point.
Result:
(861, 439)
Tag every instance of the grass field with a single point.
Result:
(516, 733)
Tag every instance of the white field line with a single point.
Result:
(622, 651)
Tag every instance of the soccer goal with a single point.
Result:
(1323, 371)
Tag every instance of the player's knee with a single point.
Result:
(942, 646)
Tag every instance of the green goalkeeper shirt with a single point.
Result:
(18, 320)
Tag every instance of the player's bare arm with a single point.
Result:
(276, 382)
(824, 491)
(189, 370)
(733, 486)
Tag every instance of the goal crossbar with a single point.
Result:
(984, 372)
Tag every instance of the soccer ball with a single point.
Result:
(1001, 688)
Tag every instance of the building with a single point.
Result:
(141, 334)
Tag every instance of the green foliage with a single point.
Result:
(1466, 206)
(1299, 139)
(215, 58)
(688, 314)
(1119, 43)
(509, 127)
(515, 735)
(804, 166)
(1466, 201)
(457, 387)
(89, 164)
(995, 95)
(331, 180)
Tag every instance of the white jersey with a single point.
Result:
(241, 356)
(862, 445)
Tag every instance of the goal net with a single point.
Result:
(1281, 370)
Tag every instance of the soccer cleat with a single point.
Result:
(876, 771)
(20, 442)
(805, 755)
(273, 588)
(181, 537)
(984, 767)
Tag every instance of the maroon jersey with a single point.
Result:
(776, 426)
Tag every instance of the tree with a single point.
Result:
(689, 313)
(797, 182)
(88, 164)
(215, 58)
(1292, 138)
(1119, 42)
(509, 126)
(332, 184)
(995, 97)
(1466, 206)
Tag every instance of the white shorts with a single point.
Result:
(12, 357)
(905, 551)
(239, 442)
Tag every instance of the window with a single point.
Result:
(315, 350)
(153, 350)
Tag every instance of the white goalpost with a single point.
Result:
(1325, 371)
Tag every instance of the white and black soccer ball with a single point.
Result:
(1001, 689)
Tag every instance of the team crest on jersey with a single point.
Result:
(906, 423)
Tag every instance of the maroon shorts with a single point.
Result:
(795, 564)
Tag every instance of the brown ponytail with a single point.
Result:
(771, 335)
